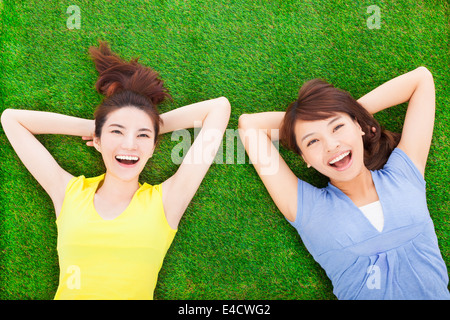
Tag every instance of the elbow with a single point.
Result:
(6, 115)
(424, 72)
(220, 107)
(243, 122)
(225, 105)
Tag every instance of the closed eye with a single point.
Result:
(116, 131)
(312, 142)
(337, 127)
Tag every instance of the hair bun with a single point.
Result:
(116, 75)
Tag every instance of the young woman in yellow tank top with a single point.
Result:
(113, 232)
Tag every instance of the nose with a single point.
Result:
(331, 144)
(129, 142)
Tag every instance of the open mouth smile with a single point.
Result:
(127, 160)
(341, 162)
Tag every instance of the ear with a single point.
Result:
(359, 126)
(307, 164)
(153, 150)
(96, 142)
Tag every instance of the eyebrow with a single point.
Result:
(122, 127)
(329, 124)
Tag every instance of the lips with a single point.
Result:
(127, 160)
(341, 161)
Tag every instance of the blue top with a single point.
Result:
(401, 262)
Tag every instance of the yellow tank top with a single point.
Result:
(110, 259)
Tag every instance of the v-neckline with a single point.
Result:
(97, 215)
(357, 209)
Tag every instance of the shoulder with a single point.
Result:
(77, 189)
(310, 199)
(151, 196)
(150, 188)
(80, 187)
(81, 182)
(399, 164)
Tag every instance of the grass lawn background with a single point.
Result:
(232, 242)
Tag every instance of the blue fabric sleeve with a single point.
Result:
(400, 162)
(296, 222)
(306, 196)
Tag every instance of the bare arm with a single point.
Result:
(20, 126)
(417, 87)
(257, 131)
(213, 116)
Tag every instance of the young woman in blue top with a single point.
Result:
(370, 228)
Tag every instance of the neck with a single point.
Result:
(116, 190)
(361, 190)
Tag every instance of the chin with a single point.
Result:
(346, 176)
(126, 176)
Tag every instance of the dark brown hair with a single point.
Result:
(319, 100)
(125, 84)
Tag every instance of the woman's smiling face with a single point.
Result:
(333, 146)
(126, 143)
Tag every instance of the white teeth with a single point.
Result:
(127, 158)
(339, 158)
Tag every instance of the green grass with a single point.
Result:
(232, 242)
